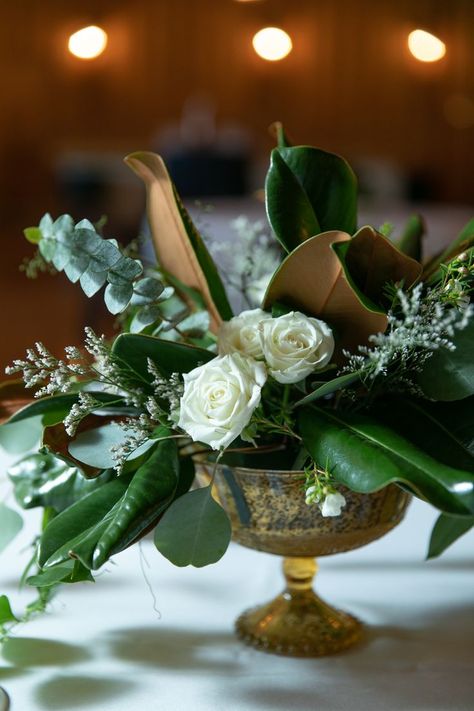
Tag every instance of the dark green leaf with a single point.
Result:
(309, 191)
(46, 481)
(55, 408)
(449, 375)
(51, 576)
(195, 530)
(11, 524)
(332, 386)
(83, 519)
(410, 242)
(446, 531)
(150, 492)
(366, 455)
(134, 350)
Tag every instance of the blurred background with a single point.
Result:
(387, 84)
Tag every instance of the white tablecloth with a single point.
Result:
(112, 646)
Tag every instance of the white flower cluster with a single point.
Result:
(221, 396)
(424, 326)
(41, 366)
(85, 404)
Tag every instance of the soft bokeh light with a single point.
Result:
(272, 44)
(426, 47)
(88, 43)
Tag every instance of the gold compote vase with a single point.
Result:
(268, 513)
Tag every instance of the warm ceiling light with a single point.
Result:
(88, 43)
(272, 44)
(426, 47)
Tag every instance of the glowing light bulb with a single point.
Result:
(426, 47)
(272, 44)
(88, 43)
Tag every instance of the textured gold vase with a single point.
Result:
(268, 513)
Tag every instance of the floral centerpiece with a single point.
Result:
(355, 371)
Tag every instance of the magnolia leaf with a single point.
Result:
(370, 261)
(6, 614)
(11, 524)
(80, 522)
(179, 248)
(51, 576)
(446, 531)
(149, 493)
(366, 455)
(46, 481)
(195, 530)
(309, 191)
(54, 409)
(134, 350)
(92, 447)
(410, 242)
(332, 386)
(449, 375)
(312, 280)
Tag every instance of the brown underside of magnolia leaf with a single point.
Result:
(374, 261)
(173, 249)
(311, 280)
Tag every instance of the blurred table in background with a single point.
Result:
(116, 646)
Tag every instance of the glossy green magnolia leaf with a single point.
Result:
(449, 375)
(54, 409)
(367, 455)
(332, 386)
(71, 571)
(457, 417)
(81, 522)
(46, 481)
(370, 262)
(311, 279)
(149, 493)
(410, 241)
(195, 530)
(6, 614)
(309, 191)
(135, 349)
(446, 531)
(11, 524)
(179, 246)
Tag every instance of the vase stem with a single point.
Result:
(299, 573)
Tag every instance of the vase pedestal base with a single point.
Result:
(298, 623)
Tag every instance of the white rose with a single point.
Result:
(220, 397)
(332, 504)
(241, 334)
(294, 345)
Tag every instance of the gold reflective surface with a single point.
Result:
(268, 513)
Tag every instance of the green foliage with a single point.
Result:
(410, 241)
(195, 530)
(71, 571)
(54, 409)
(449, 374)
(366, 454)
(46, 481)
(6, 614)
(446, 531)
(339, 383)
(134, 350)
(86, 257)
(19, 437)
(11, 524)
(463, 242)
(309, 191)
(111, 518)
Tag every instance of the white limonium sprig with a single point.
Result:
(137, 431)
(170, 390)
(422, 326)
(41, 367)
(320, 490)
(85, 405)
